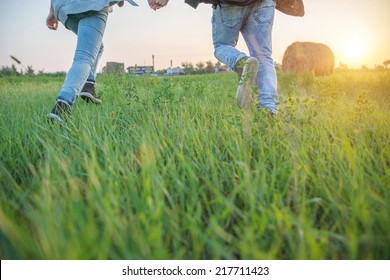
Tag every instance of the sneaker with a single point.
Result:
(59, 110)
(270, 114)
(246, 69)
(239, 67)
(88, 93)
(266, 113)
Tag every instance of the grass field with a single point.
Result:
(170, 168)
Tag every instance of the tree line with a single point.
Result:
(201, 67)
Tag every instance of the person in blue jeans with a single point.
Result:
(255, 23)
(87, 19)
(254, 19)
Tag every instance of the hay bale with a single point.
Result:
(311, 57)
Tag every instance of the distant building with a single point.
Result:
(140, 70)
(175, 71)
(114, 68)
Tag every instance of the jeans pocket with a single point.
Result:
(231, 16)
(265, 11)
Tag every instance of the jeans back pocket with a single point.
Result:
(231, 16)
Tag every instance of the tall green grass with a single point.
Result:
(170, 168)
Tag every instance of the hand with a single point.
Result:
(52, 21)
(157, 4)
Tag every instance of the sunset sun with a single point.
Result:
(355, 50)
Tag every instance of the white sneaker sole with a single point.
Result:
(54, 117)
(246, 83)
(89, 97)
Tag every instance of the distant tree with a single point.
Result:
(379, 67)
(53, 74)
(5, 71)
(9, 71)
(30, 71)
(188, 68)
(15, 71)
(200, 67)
(209, 67)
(343, 66)
(220, 67)
(161, 72)
(386, 63)
(364, 67)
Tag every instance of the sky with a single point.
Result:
(358, 32)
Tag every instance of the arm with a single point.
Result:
(51, 20)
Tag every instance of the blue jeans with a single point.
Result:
(255, 23)
(89, 28)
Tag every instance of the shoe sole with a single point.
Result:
(89, 97)
(54, 117)
(246, 83)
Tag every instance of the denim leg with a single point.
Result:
(226, 22)
(73, 24)
(257, 33)
(92, 74)
(90, 30)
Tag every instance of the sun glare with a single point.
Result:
(355, 50)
